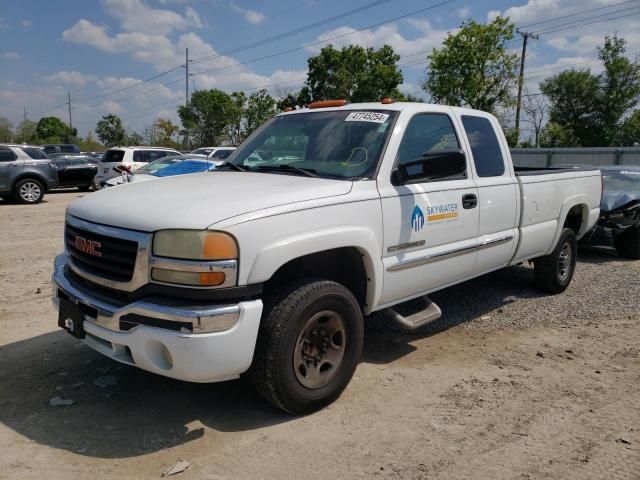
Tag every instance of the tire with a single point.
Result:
(553, 273)
(300, 371)
(85, 188)
(28, 190)
(627, 244)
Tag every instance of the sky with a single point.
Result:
(102, 51)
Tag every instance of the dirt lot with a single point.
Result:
(509, 384)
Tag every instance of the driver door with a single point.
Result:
(430, 227)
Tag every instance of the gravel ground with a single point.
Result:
(509, 384)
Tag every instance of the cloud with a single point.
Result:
(385, 35)
(464, 12)
(25, 23)
(250, 16)
(135, 16)
(70, 78)
(10, 55)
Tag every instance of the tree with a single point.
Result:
(27, 132)
(556, 135)
(592, 107)
(206, 115)
(535, 108)
(473, 68)
(628, 134)
(88, 144)
(354, 74)
(6, 130)
(260, 107)
(133, 138)
(620, 85)
(164, 131)
(110, 130)
(234, 129)
(293, 100)
(54, 130)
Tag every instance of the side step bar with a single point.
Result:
(430, 313)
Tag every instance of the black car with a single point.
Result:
(60, 148)
(619, 222)
(75, 170)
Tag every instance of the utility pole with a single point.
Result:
(186, 76)
(69, 105)
(525, 37)
(25, 113)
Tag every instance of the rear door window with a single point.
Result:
(7, 155)
(487, 154)
(35, 153)
(113, 156)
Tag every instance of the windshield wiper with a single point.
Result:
(309, 172)
(233, 166)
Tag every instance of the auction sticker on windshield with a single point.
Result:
(373, 117)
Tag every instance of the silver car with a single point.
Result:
(26, 173)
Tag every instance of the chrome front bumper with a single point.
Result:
(217, 346)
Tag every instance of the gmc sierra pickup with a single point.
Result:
(323, 216)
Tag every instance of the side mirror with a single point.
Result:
(430, 167)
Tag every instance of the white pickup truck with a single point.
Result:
(323, 216)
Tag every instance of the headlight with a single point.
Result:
(195, 245)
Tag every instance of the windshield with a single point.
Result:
(112, 156)
(159, 164)
(185, 166)
(333, 144)
(622, 180)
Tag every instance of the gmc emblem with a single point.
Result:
(90, 247)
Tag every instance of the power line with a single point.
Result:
(589, 23)
(141, 93)
(284, 52)
(576, 13)
(573, 22)
(291, 32)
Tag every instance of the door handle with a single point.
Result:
(469, 200)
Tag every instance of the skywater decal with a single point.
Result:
(442, 212)
(417, 219)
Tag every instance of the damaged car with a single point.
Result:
(619, 221)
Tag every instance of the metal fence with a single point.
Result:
(547, 157)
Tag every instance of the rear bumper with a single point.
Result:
(195, 357)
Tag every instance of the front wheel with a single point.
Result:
(29, 190)
(308, 346)
(553, 273)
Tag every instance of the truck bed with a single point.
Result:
(544, 198)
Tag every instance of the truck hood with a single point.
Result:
(199, 200)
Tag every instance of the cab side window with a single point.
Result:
(141, 156)
(487, 154)
(428, 133)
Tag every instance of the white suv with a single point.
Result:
(132, 157)
(219, 153)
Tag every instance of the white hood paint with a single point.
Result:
(199, 200)
(140, 177)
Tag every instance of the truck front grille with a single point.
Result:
(100, 255)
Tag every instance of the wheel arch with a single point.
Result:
(32, 176)
(574, 214)
(347, 256)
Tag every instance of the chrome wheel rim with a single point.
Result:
(319, 349)
(564, 261)
(30, 191)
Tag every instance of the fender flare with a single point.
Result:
(581, 200)
(284, 250)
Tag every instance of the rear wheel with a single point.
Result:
(28, 190)
(308, 346)
(628, 243)
(553, 273)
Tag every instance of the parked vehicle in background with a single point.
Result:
(272, 267)
(619, 222)
(219, 153)
(26, 173)
(75, 170)
(95, 155)
(60, 148)
(164, 167)
(131, 157)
